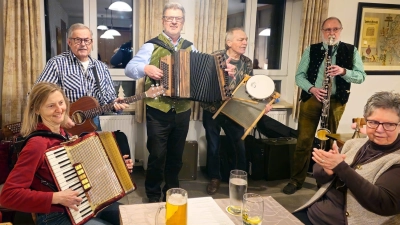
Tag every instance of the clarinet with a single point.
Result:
(323, 131)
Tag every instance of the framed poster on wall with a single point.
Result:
(377, 38)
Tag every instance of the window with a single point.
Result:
(61, 14)
(268, 35)
(115, 52)
(263, 22)
(235, 14)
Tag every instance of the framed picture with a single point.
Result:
(377, 38)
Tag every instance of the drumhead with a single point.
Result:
(260, 87)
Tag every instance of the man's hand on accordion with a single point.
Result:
(230, 68)
(68, 198)
(128, 163)
(153, 72)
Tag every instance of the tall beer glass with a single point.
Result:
(237, 188)
(176, 207)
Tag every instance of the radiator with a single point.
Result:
(124, 123)
(279, 115)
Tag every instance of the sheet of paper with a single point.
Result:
(206, 211)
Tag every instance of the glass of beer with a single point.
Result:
(252, 209)
(237, 188)
(176, 207)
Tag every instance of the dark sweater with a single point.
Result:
(382, 198)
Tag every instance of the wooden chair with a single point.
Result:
(360, 122)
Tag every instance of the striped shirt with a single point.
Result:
(67, 71)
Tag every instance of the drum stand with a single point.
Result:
(242, 109)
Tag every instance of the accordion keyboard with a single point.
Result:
(67, 178)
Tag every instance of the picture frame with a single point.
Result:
(377, 38)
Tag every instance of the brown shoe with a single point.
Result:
(213, 186)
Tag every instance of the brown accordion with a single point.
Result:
(93, 166)
(195, 75)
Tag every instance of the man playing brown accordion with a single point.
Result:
(167, 118)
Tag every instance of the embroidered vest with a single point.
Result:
(344, 59)
(165, 103)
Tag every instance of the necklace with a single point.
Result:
(357, 162)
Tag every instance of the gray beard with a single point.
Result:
(325, 41)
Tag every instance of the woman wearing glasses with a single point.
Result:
(360, 182)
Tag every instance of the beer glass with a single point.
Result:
(237, 188)
(252, 209)
(175, 208)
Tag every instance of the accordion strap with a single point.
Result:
(186, 44)
(44, 133)
(46, 183)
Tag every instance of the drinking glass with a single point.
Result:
(175, 208)
(237, 188)
(252, 209)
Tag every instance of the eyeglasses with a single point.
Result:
(78, 41)
(171, 18)
(387, 126)
(334, 30)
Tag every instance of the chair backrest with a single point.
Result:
(360, 122)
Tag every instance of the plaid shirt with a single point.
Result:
(67, 71)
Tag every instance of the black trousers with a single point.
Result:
(166, 136)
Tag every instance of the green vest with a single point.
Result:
(165, 103)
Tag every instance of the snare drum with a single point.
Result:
(260, 87)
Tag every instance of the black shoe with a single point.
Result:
(290, 189)
(213, 186)
(152, 200)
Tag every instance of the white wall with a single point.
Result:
(373, 83)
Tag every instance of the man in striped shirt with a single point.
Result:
(75, 72)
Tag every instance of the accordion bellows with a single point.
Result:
(195, 75)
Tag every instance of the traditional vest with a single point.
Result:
(371, 171)
(165, 103)
(344, 59)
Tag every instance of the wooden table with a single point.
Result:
(342, 138)
(144, 214)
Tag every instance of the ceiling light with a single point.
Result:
(107, 36)
(265, 32)
(120, 6)
(113, 32)
(102, 27)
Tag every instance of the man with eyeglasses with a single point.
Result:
(167, 118)
(346, 68)
(75, 72)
